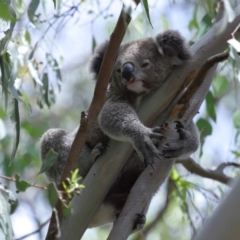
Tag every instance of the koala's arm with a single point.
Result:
(119, 121)
(186, 143)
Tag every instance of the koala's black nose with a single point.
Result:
(127, 71)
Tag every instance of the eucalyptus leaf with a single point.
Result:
(32, 9)
(236, 119)
(21, 185)
(16, 118)
(220, 85)
(204, 127)
(45, 89)
(48, 161)
(146, 8)
(67, 210)
(52, 62)
(52, 194)
(211, 106)
(5, 12)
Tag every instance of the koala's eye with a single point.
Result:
(145, 64)
(118, 70)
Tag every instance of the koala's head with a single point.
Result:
(142, 65)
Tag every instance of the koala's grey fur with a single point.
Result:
(140, 67)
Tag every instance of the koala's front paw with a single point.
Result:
(183, 147)
(139, 222)
(145, 146)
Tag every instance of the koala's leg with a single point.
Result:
(141, 219)
(59, 141)
(185, 145)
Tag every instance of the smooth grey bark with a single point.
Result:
(224, 222)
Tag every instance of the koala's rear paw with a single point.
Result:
(180, 129)
(139, 222)
(98, 150)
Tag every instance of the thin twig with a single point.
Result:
(216, 174)
(34, 232)
(14, 180)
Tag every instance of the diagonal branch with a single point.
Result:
(160, 214)
(216, 174)
(95, 107)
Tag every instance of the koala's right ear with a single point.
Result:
(173, 45)
(97, 59)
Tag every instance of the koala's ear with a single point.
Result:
(172, 44)
(97, 59)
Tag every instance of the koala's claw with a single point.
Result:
(181, 130)
(156, 133)
(139, 222)
(165, 146)
(152, 165)
(179, 124)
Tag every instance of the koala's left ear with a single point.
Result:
(172, 44)
(97, 59)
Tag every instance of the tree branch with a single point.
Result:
(216, 174)
(160, 214)
(95, 108)
(224, 222)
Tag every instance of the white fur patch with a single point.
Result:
(136, 86)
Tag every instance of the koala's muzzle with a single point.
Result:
(127, 71)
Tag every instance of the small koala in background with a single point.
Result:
(140, 67)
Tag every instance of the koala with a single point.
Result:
(140, 67)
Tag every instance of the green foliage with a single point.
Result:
(52, 62)
(32, 9)
(16, 119)
(21, 185)
(205, 130)
(210, 106)
(48, 161)
(236, 119)
(5, 10)
(72, 185)
(220, 86)
(146, 8)
(52, 194)
(67, 210)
